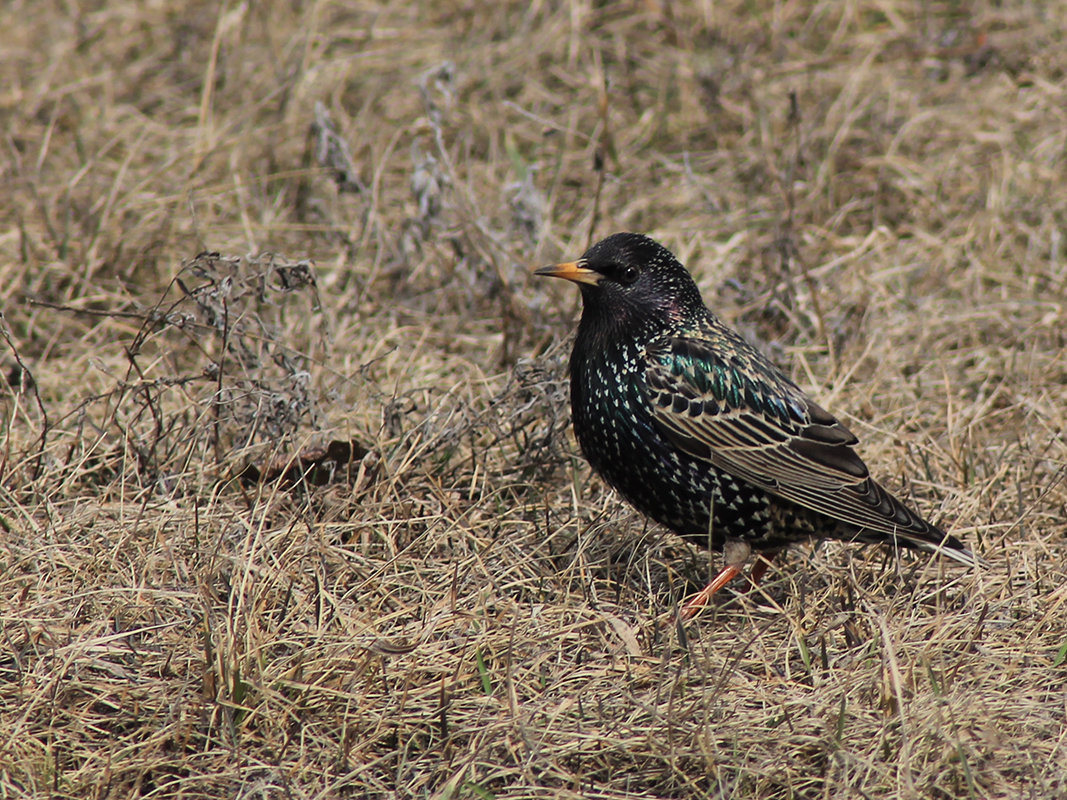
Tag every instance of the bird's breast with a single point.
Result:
(614, 426)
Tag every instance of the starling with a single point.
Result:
(701, 432)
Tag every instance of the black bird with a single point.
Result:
(701, 432)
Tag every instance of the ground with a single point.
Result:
(289, 503)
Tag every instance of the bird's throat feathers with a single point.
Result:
(624, 320)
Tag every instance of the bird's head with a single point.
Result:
(631, 282)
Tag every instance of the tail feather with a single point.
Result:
(932, 540)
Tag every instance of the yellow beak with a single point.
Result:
(571, 271)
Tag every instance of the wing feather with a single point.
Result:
(748, 419)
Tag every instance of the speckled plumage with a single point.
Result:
(701, 432)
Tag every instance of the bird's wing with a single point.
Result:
(741, 414)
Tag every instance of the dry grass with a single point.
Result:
(461, 609)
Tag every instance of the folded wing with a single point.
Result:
(743, 416)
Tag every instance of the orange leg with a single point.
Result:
(701, 598)
(759, 569)
(735, 560)
(735, 553)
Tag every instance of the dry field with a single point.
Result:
(289, 502)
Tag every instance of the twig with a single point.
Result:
(32, 383)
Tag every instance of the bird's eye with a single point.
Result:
(626, 275)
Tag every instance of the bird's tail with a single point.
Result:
(953, 548)
(932, 540)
